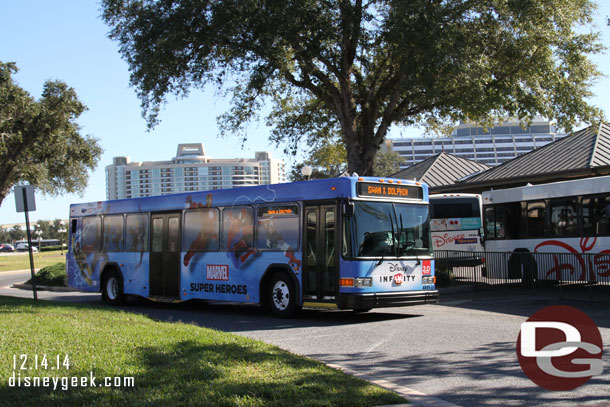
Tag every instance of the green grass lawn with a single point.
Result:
(173, 364)
(21, 261)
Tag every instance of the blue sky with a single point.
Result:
(66, 40)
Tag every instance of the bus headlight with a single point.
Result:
(363, 282)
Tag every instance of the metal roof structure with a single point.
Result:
(442, 169)
(585, 153)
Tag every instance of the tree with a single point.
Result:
(326, 161)
(40, 141)
(356, 67)
(5, 236)
(387, 163)
(17, 233)
(330, 160)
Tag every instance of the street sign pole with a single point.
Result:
(24, 197)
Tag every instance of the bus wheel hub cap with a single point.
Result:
(112, 288)
(281, 295)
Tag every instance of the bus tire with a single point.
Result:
(522, 264)
(360, 310)
(112, 288)
(281, 296)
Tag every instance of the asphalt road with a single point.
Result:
(462, 351)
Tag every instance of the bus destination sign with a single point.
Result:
(389, 190)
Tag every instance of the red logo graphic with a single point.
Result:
(560, 348)
(398, 278)
(219, 272)
(442, 240)
(426, 268)
(598, 264)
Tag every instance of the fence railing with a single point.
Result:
(571, 274)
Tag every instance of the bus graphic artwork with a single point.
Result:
(332, 241)
(240, 235)
(598, 265)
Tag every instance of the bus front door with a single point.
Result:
(164, 272)
(321, 261)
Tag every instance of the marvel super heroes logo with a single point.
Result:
(218, 272)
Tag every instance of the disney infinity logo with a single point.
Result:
(395, 267)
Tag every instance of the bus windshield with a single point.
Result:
(386, 229)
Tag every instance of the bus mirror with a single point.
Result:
(348, 209)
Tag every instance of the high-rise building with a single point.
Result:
(190, 170)
(491, 146)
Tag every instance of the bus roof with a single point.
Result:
(330, 188)
(450, 196)
(585, 186)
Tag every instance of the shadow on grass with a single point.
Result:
(219, 370)
(188, 373)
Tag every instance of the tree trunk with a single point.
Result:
(2, 196)
(359, 157)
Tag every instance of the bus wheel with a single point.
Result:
(522, 264)
(281, 296)
(361, 310)
(112, 288)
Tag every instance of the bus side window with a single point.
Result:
(490, 223)
(74, 238)
(201, 230)
(238, 232)
(596, 216)
(588, 206)
(113, 233)
(136, 237)
(91, 235)
(602, 216)
(564, 219)
(536, 219)
(278, 227)
(511, 218)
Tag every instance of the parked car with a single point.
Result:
(23, 247)
(5, 247)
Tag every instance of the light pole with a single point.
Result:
(306, 171)
(39, 234)
(61, 231)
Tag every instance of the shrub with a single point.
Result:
(54, 275)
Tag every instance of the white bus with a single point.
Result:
(456, 229)
(456, 222)
(564, 218)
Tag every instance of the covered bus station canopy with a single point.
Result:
(585, 153)
(442, 169)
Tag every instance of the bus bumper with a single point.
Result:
(392, 299)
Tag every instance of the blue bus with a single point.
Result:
(350, 242)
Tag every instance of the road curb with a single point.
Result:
(24, 286)
(415, 398)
